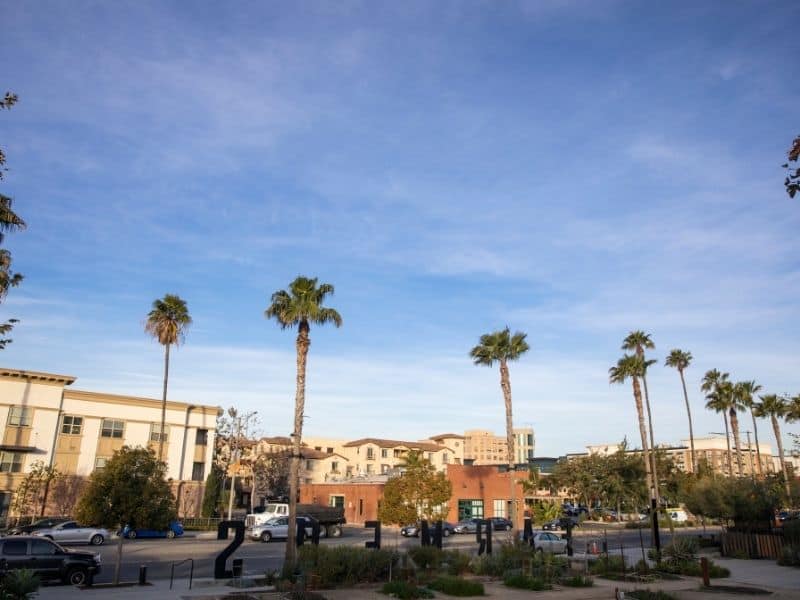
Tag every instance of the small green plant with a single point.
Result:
(455, 586)
(649, 595)
(526, 582)
(345, 565)
(578, 581)
(405, 590)
(19, 584)
(457, 562)
(607, 565)
(426, 557)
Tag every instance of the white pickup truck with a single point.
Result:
(330, 518)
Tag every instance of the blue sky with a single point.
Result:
(571, 169)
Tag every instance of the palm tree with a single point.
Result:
(502, 347)
(300, 306)
(735, 404)
(167, 322)
(775, 407)
(793, 409)
(680, 360)
(633, 367)
(713, 383)
(747, 391)
(638, 341)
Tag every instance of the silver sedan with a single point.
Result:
(277, 528)
(70, 532)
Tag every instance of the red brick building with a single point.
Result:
(360, 500)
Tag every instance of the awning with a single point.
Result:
(13, 448)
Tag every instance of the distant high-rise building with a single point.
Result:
(486, 448)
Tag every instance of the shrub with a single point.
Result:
(578, 581)
(345, 565)
(458, 563)
(426, 557)
(19, 584)
(680, 549)
(648, 595)
(608, 564)
(526, 582)
(693, 569)
(455, 586)
(405, 590)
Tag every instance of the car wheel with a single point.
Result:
(266, 536)
(77, 576)
(508, 527)
(97, 540)
(335, 531)
(445, 532)
(170, 534)
(131, 535)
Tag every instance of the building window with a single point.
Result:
(100, 463)
(334, 467)
(201, 437)
(156, 434)
(19, 416)
(336, 501)
(469, 509)
(309, 466)
(318, 448)
(370, 454)
(430, 457)
(71, 425)
(384, 453)
(112, 428)
(329, 450)
(370, 469)
(499, 507)
(198, 471)
(445, 458)
(10, 462)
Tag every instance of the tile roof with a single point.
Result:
(381, 443)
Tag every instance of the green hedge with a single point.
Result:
(455, 586)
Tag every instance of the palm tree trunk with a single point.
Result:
(691, 431)
(164, 404)
(777, 430)
(652, 440)
(505, 384)
(728, 442)
(303, 343)
(758, 450)
(736, 440)
(637, 396)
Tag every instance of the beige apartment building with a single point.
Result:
(485, 448)
(78, 431)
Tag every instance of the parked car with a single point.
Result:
(544, 541)
(48, 559)
(415, 529)
(40, 524)
(174, 530)
(560, 524)
(410, 530)
(501, 524)
(277, 528)
(466, 526)
(70, 532)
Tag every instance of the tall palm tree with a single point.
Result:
(680, 360)
(747, 391)
(793, 409)
(639, 340)
(713, 383)
(501, 347)
(735, 404)
(167, 323)
(775, 407)
(300, 306)
(633, 367)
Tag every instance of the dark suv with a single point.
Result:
(501, 523)
(49, 560)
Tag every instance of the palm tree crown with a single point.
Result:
(771, 405)
(628, 366)
(638, 340)
(678, 359)
(168, 321)
(302, 304)
(499, 346)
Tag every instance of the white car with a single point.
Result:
(277, 528)
(70, 532)
(544, 541)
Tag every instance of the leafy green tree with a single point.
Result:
(211, 494)
(9, 221)
(130, 490)
(775, 407)
(545, 511)
(639, 341)
(633, 366)
(420, 492)
(792, 181)
(680, 360)
(300, 306)
(718, 398)
(746, 392)
(501, 347)
(167, 323)
(30, 496)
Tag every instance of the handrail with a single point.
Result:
(178, 564)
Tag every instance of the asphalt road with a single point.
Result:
(159, 555)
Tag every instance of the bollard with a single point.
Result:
(237, 566)
(704, 567)
(142, 574)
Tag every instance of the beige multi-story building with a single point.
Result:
(77, 432)
(485, 448)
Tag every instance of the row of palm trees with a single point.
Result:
(722, 396)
